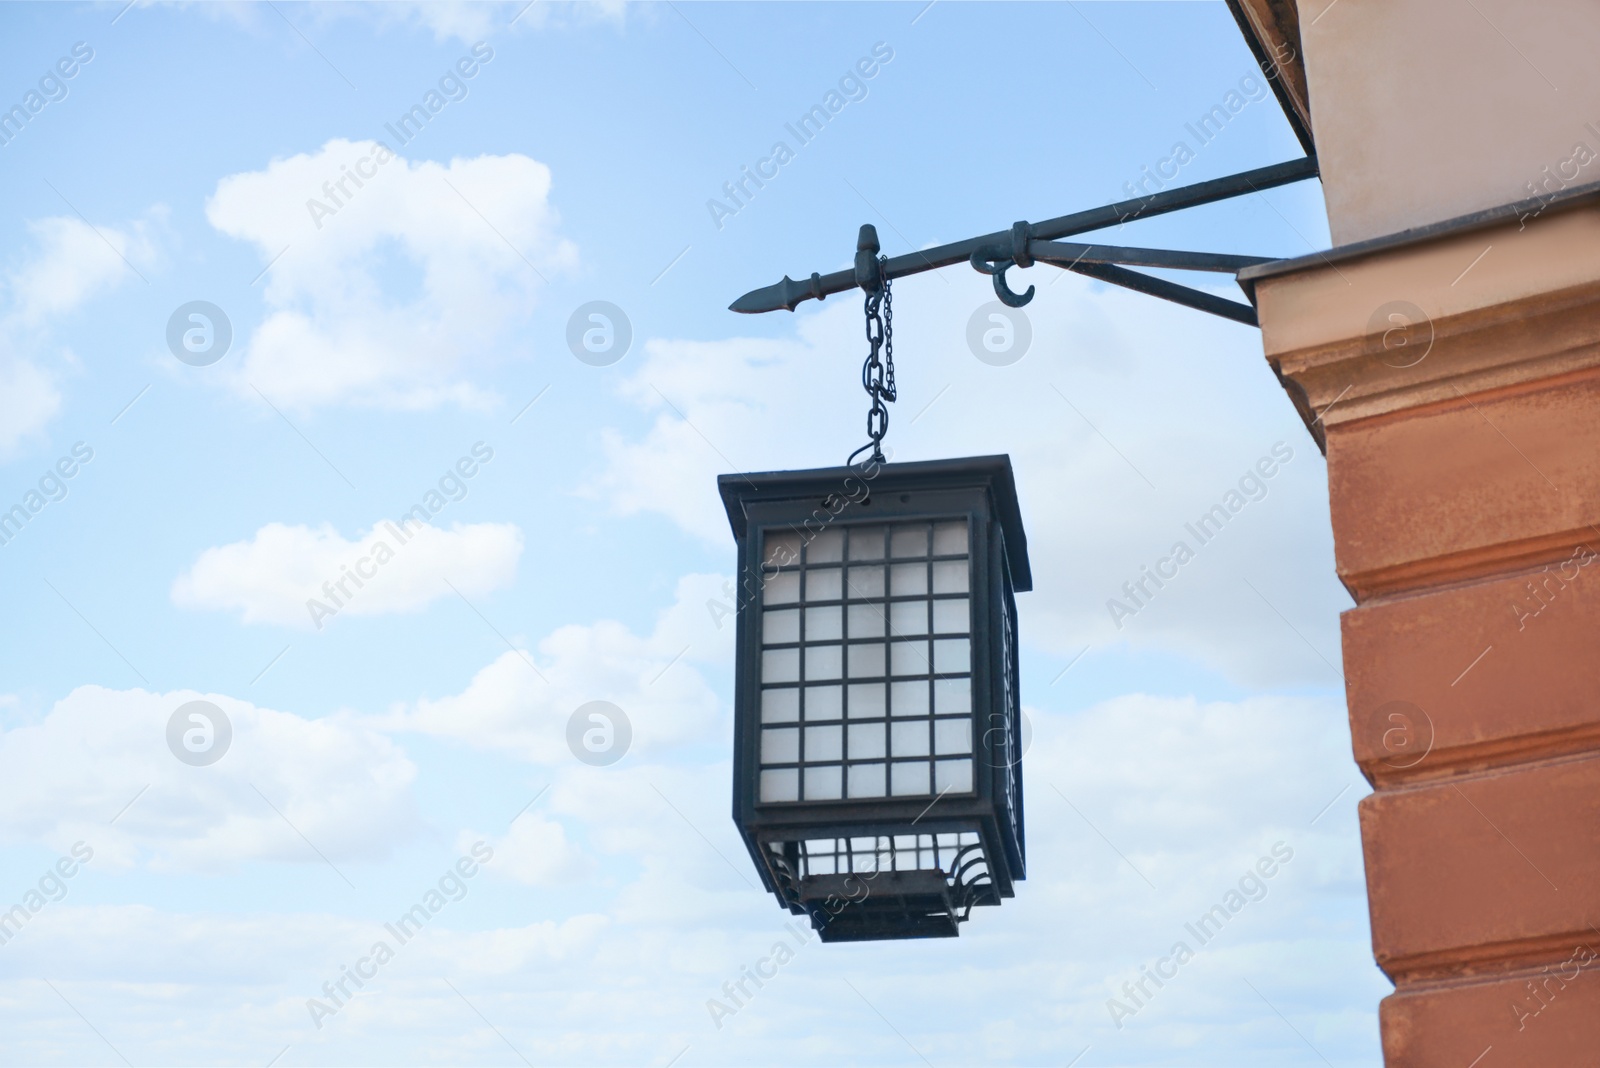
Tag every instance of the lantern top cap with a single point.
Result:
(992, 473)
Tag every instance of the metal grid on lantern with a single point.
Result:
(877, 718)
(866, 663)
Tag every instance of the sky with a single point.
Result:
(226, 364)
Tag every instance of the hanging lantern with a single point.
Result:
(877, 776)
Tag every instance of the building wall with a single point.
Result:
(1426, 110)
(1455, 385)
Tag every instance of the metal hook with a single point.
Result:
(992, 260)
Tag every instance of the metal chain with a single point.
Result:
(877, 375)
(888, 336)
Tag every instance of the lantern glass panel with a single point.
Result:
(868, 779)
(909, 617)
(822, 583)
(780, 665)
(780, 626)
(780, 784)
(867, 543)
(780, 706)
(826, 548)
(823, 624)
(866, 620)
(782, 550)
(782, 589)
(825, 702)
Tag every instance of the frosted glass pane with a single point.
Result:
(783, 550)
(868, 700)
(781, 626)
(780, 745)
(780, 706)
(823, 784)
(908, 617)
(953, 775)
(908, 658)
(866, 661)
(909, 698)
(908, 737)
(826, 547)
(780, 785)
(949, 538)
(907, 779)
(909, 541)
(952, 695)
(952, 654)
(868, 780)
(825, 624)
(950, 576)
(866, 583)
(866, 741)
(952, 736)
(866, 543)
(823, 661)
(822, 584)
(866, 620)
(908, 580)
(952, 617)
(824, 702)
(824, 743)
(780, 665)
(781, 589)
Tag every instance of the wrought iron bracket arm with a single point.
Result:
(1039, 241)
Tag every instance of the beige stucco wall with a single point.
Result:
(1424, 110)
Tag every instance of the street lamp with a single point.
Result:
(877, 775)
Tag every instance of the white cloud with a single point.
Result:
(472, 239)
(29, 399)
(343, 786)
(69, 264)
(534, 852)
(1189, 792)
(1127, 419)
(520, 703)
(470, 21)
(73, 263)
(274, 576)
(1186, 788)
(465, 21)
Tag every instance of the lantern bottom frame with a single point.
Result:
(884, 881)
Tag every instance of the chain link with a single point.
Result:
(877, 375)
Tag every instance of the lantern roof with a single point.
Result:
(993, 473)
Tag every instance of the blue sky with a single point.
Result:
(375, 347)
